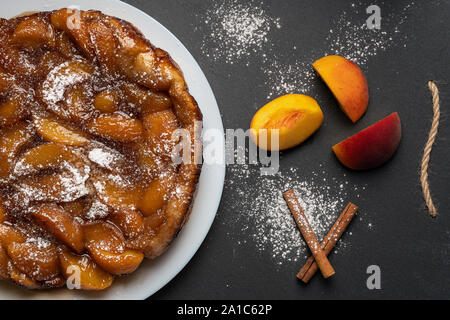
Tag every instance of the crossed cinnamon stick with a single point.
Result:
(319, 259)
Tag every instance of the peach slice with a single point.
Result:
(295, 116)
(54, 131)
(37, 262)
(91, 276)
(117, 264)
(33, 33)
(77, 105)
(44, 156)
(147, 101)
(130, 222)
(155, 196)
(21, 278)
(74, 208)
(11, 112)
(116, 196)
(9, 235)
(347, 83)
(371, 147)
(107, 101)
(159, 127)
(56, 221)
(105, 236)
(106, 245)
(117, 127)
(13, 138)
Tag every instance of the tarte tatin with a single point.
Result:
(88, 185)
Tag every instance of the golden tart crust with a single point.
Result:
(87, 110)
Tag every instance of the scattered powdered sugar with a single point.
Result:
(288, 78)
(58, 81)
(235, 31)
(98, 210)
(245, 33)
(265, 218)
(102, 157)
(69, 185)
(358, 43)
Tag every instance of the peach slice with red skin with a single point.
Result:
(295, 116)
(371, 147)
(347, 83)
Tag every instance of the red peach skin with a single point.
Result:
(371, 147)
(347, 83)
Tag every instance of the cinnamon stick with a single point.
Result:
(308, 234)
(329, 242)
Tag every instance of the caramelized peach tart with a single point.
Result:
(88, 185)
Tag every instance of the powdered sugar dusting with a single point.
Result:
(266, 219)
(237, 30)
(246, 33)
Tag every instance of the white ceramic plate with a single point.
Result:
(151, 275)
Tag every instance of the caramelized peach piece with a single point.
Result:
(11, 112)
(155, 196)
(13, 138)
(3, 215)
(147, 160)
(159, 128)
(295, 116)
(107, 101)
(9, 235)
(106, 245)
(77, 105)
(4, 260)
(21, 278)
(74, 208)
(37, 262)
(115, 196)
(105, 236)
(116, 127)
(130, 222)
(33, 33)
(56, 221)
(117, 264)
(347, 83)
(146, 100)
(44, 156)
(54, 131)
(91, 276)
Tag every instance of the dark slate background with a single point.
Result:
(412, 249)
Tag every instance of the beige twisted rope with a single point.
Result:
(428, 147)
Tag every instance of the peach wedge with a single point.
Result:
(347, 83)
(371, 147)
(295, 116)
